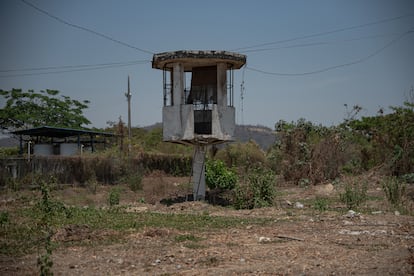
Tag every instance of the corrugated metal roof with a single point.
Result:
(47, 131)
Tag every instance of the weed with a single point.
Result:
(304, 182)
(320, 204)
(186, 237)
(354, 194)
(114, 196)
(194, 245)
(4, 218)
(47, 207)
(13, 184)
(408, 178)
(92, 184)
(394, 190)
(134, 181)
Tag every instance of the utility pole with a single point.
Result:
(128, 95)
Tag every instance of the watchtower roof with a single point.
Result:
(197, 58)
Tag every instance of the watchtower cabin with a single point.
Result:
(198, 100)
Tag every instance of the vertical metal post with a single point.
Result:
(128, 95)
(28, 150)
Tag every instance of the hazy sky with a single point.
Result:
(366, 46)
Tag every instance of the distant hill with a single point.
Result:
(263, 136)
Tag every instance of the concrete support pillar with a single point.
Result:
(222, 84)
(199, 178)
(178, 84)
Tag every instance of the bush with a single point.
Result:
(4, 218)
(390, 139)
(133, 177)
(242, 155)
(321, 204)
(218, 176)
(134, 181)
(354, 194)
(307, 151)
(114, 196)
(92, 184)
(259, 191)
(394, 190)
(7, 152)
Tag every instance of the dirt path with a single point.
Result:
(381, 244)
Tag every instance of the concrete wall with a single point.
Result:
(178, 124)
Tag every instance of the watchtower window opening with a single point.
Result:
(167, 87)
(203, 92)
(202, 95)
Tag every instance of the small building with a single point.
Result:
(198, 102)
(48, 140)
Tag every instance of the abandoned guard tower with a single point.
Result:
(198, 102)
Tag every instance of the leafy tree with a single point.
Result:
(307, 153)
(34, 109)
(390, 138)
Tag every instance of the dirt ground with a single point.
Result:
(298, 241)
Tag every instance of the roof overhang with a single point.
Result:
(197, 58)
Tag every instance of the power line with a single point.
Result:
(336, 66)
(325, 33)
(134, 62)
(85, 29)
(311, 44)
(89, 68)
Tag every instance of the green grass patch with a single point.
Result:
(187, 237)
(21, 233)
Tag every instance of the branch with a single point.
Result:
(289, 238)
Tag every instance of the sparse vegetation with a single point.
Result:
(360, 157)
(258, 191)
(355, 193)
(47, 208)
(394, 190)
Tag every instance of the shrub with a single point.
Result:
(408, 178)
(218, 176)
(258, 191)
(390, 138)
(394, 190)
(92, 184)
(4, 218)
(114, 196)
(7, 152)
(354, 194)
(320, 204)
(242, 155)
(307, 151)
(133, 177)
(134, 181)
